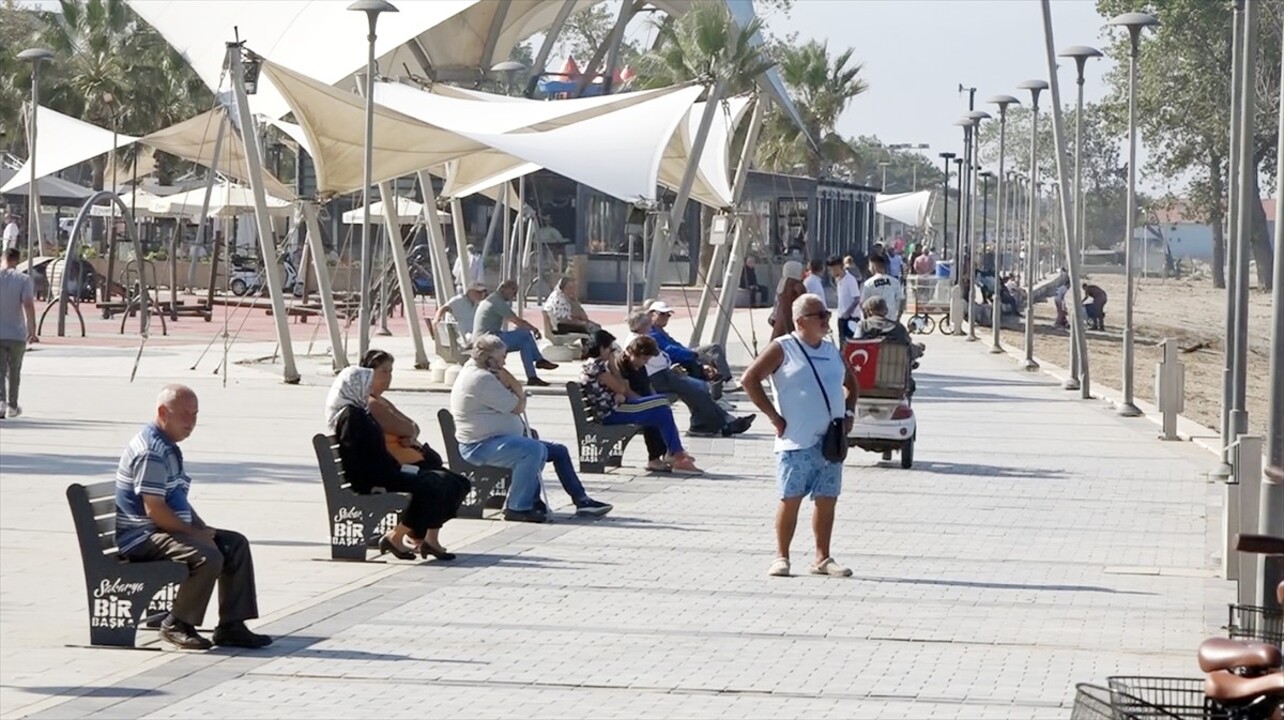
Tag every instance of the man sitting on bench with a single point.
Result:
(464, 309)
(695, 361)
(494, 313)
(155, 521)
(565, 314)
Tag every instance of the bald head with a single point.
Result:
(176, 409)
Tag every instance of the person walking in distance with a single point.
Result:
(155, 520)
(808, 374)
(17, 330)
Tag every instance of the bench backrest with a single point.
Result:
(329, 462)
(93, 511)
(579, 408)
(448, 439)
(548, 323)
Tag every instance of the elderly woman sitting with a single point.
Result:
(609, 395)
(435, 493)
(488, 404)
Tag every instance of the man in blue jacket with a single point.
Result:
(694, 361)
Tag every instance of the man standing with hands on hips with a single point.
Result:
(807, 373)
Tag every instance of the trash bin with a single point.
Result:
(944, 268)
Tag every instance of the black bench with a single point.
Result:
(601, 446)
(121, 594)
(357, 520)
(490, 482)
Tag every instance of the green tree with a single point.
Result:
(703, 45)
(1183, 103)
(822, 87)
(19, 30)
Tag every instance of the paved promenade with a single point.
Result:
(1039, 541)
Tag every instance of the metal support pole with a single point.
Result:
(964, 208)
(1247, 454)
(267, 243)
(1126, 407)
(1001, 225)
(441, 276)
(1076, 241)
(1272, 502)
(664, 241)
(973, 251)
(392, 228)
(720, 251)
(1244, 237)
(461, 242)
(34, 231)
(1059, 143)
(1223, 468)
(338, 353)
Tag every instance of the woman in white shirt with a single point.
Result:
(808, 373)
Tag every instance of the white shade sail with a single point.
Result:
(227, 200)
(409, 212)
(333, 124)
(320, 35)
(909, 208)
(618, 153)
(139, 202)
(63, 141)
(194, 140)
(712, 186)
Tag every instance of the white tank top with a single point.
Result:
(798, 395)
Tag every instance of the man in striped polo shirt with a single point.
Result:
(155, 521)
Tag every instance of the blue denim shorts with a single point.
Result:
(807, 472)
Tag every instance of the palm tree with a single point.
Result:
(112, 68)
(822, 87)
(704, 45)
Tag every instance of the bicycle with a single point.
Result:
(920, 324)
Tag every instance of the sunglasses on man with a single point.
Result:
(823, 315)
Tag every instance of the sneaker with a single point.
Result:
(14, 411)
(529, 516)
(831, 568)
(237, 635)
(779, 568)
(592, 508)
(182, 635)
(536, 382)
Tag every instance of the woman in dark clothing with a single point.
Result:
(640, 383)
(435, 493)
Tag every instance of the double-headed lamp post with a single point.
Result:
(946, 157)
(1078, 379)
(968, 124)
(1135, 23)
(36, 56)
(996, 314)
(372, 9)
(1035, 87)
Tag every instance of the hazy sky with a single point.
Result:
(917, 52)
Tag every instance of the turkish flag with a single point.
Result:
(862, 358)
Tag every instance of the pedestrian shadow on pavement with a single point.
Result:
(51, 424)
(489, 559)
(630, 523)
(114, 691)
(994, 471)
(300, 646)
(935, 379)
(1003, 586)
(203, 471)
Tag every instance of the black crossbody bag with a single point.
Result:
(834, 445)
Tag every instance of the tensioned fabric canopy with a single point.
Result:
(64, 141)
(712, 186)
(909, 208)
(409, 212)
(194, 140)
(227, 200)
(320, 35)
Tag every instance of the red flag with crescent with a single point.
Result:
(862, 358)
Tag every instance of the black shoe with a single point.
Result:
(737, 426)
(425, 550)
(708, 432)
(182, 635)
(546, 365)
(592, 508)
(536, 382)
(530, 516)
(237, 635)
(386, 546)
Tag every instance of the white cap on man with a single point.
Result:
(659, 306)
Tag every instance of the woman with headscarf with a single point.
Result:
(789, 289)
(435, 494)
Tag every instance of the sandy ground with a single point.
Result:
(1192, 312)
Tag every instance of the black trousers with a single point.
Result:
(226, 559)
(435, 497)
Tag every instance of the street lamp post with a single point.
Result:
(1081, 55)
(946, 157)
(1135, 23)
(1002, 101)
(958, 211)
(36, 56)
(1247, 194)
(1035, 87)
(1223, 469)
(964, 221)
(973, 247)
(985, 204)
(372, 9)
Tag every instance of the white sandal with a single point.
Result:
(830, 568)
(779, 568)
